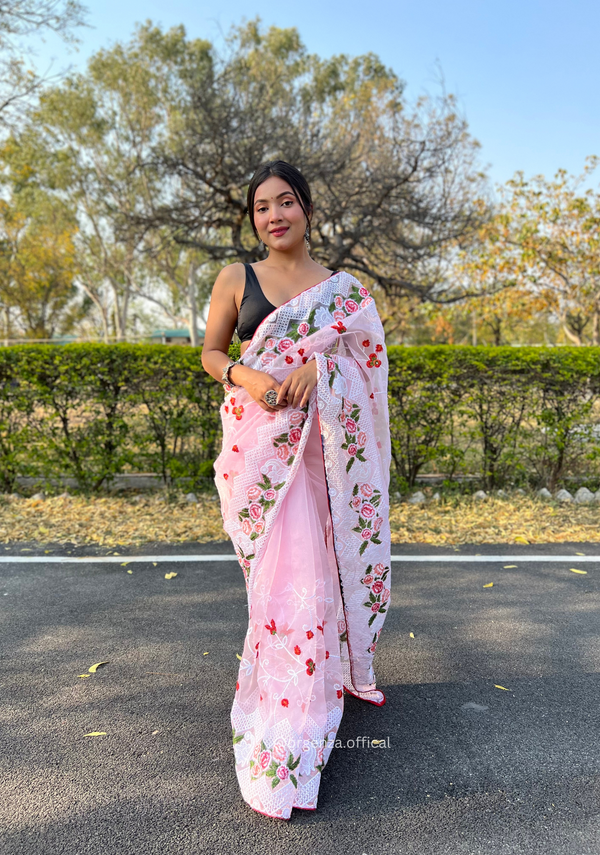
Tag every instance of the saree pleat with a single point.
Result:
(289, 698)
(304, 498)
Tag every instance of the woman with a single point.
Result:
(303, 478)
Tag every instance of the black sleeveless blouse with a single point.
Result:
(254, 307)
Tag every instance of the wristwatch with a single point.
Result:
(227, 369)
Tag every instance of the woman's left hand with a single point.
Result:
(298, 385)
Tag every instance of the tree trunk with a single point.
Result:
(474, 319)
(193, 306)
(596, 324)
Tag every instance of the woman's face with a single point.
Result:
(278, 215)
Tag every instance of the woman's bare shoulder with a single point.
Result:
(230, 278)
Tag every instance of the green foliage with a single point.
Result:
(92, 411)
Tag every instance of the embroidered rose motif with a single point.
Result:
(339, 316)
(282, 773)
(269, 495)
(351, 306)
(361, 438)
(352, 449)
(368, 579)
(246, 526)
(341, 626)
(368, 511)
(259, 526)
(377, 587)
(253, 493)
(270, 343)
(363, 291)
(350, 425)
(339, 301)
(356, 503)
(330, 364)
(366, 533)
(283, 452)
(267, 358)
(366, 302)
(303, 328)
(297, 417)
(385, 596)
(366, 490)
(377, 524)
(264, 758)
(348, 405)
(285, 344)
(375, 607)
(255, 510)
(256, 771)
(295, 435)
(378, 569)
(279, 752)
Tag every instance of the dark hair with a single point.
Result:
(294, 178)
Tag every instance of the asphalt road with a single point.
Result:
(470, 768)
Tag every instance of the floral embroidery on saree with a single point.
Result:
(317, 599)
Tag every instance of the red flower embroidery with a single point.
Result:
(256, 645)
(310, 669)
(272, 628)
(373, 361)
(289, 359)
(327, 654)
(304, 360)
(225, 475)
(237, 411)
(309, 633)
(237, 685)
(320, 627)
(339, 327)
(226, 408)
(339, 693)
(232, 401)
(371, 395)
(297, 650)
(366, 343)
(378, 348)
(285, 702)
(301, 351)
(235, 448)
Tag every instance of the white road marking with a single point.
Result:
(455, 558)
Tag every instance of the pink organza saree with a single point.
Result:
(304, 497)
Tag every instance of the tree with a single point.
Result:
(21, 19)
(394, 186)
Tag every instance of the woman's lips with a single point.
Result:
(279, 232)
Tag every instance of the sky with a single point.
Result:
(526, 74)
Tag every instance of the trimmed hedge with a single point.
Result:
(92, 411)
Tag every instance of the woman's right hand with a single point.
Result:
(256, 383)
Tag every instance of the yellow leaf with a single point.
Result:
(573, 570)
(124, 564)
(377, 741)
(96, 733)
(170, 575)
(509, 566)
(130, 571)
(238, 656)
(154, 563)
(489, 585)
(502, 687)
(83, 675)
(95, 667)
(412, 635)
(580, 553)
(520, 539)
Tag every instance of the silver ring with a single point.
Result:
(271, 397)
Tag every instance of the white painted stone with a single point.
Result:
(583, 496)
(563, 496)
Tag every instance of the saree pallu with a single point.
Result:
(304, 497)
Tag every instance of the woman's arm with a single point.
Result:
(220, 325)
